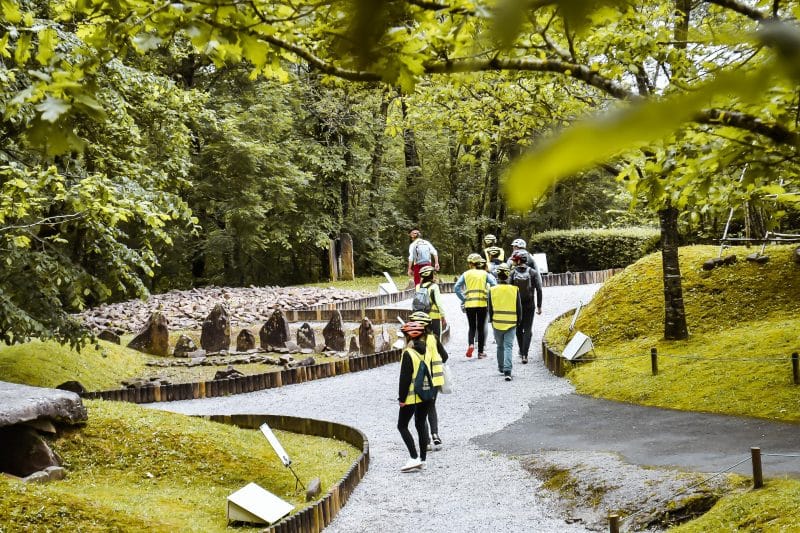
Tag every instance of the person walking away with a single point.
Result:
(520, 245)
(413, 360)
(436, 311)
(529, 283)
(490, 242)
(433, 345)
(420, 253)
(505, 312)
(472, 289)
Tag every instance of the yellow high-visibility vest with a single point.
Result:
(504, 306)
(435, 312)
(475, 283)
(437, 374)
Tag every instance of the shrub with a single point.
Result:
(594, 249)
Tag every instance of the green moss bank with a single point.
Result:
(136, 469)
(743, 323)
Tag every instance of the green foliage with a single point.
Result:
(736, 314)
(594, 249)
(132, 468)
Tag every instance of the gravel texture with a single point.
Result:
(464, 488)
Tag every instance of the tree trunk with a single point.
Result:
(674, 312)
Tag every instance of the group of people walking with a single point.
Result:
(508, 293)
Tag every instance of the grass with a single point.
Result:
(743, 322)
(136, 469)
(367, 283)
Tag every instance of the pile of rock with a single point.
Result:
(186, 310)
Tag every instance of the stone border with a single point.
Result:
(315, 517)
(251, 383)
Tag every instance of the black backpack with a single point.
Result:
(423, 382)
(522, 280)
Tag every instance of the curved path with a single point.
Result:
(464, 488)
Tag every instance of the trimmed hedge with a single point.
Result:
(594, 249)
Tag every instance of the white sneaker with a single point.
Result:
(411, 465)
(422, 465)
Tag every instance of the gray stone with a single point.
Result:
(308, 361)
(275, 331)
(110, 336)
(292, 347)
(21, 403)
(313, 490)
(306, 337)
(42, 425)
(196, 354)
(24, 451)
(229, 372)
(55, 473)
(366, 337)
(153, 338)
(334, 333)
(319, 348)
(216, 330)
(383, 343)
(245, 341)
(184, 346)
(37, 477)
(307, 351)
(353, 350)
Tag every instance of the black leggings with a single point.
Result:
(525, 330)
(476, 318)
(420, 413)
(433, 417)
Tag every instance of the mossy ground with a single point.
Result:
(744, 323)
(136, 469)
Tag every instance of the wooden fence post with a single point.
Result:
(758, 480)
(613, 523)
(795, 371)
(654, 361)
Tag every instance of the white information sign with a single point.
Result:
(255, 504)
(541, 263)
(276, 445)
(389, 287)
(579, 345)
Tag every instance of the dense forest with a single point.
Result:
(148, 146)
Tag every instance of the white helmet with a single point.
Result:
(519, 243)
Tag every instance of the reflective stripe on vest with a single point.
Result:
(434, 312)
(504, 306)
(475, 293)
(432, 353)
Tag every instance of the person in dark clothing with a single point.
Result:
(505, 311)
(439, 359)
(410, 403)
(529, 282)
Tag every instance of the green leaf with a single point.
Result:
(47, 46)
(589, 143)
(11, 11)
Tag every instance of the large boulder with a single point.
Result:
(22, 403)
(275, 331)
(305, 337)
(353, 350)
(333, 333)
(154, 337)
(24, 451)
(245, 341)
(366, 337)
(216, 332)
(109, 336)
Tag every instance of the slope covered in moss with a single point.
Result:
(743, 321)
(136, 469)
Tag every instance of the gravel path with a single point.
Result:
(464, 488)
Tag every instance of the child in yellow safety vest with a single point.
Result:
(505, 311)
(435, 316)
(411, 403)
(433, 345)
(472, 289)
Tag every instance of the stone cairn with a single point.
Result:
(245, 341)
(184, 346)
(216, 332)
(333, 333)
(306, 338)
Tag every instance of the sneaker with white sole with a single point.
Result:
(437, 443)
(411, 465)
(422, 465)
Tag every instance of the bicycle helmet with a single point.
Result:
(426, 271)
(493, 251)
(474, 259)
(518, 243)
(420, 317)
(413, 329)
(519, 255)
(503, 268)
(490, 239)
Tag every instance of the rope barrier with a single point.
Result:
(780, 454)
(693, 358)
(668, 498)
